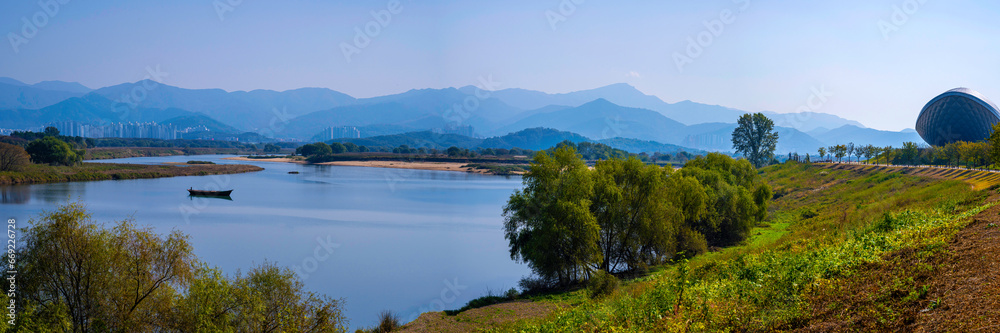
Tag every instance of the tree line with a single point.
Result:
(76, 275)
(570, 222)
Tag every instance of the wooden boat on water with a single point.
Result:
(192, 191)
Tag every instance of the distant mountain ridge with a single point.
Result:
(616, 111)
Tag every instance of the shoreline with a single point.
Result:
(276, 160)
(412, 165)
(432, 166)
(41, 174)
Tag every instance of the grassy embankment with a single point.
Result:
(841, 249)
(37, 173)
(104, 153)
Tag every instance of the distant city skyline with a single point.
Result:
(877, 62)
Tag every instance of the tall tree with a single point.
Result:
(994, 141)
(12, 157)
(638, 225)
(908, 154)
(754, 137)
(850, 151)
(822, 152)
(548, 224)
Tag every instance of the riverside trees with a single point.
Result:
(75, 275)
(569, 221)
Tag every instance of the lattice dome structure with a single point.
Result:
(960, 114)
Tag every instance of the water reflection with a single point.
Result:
(17, 194)
(433, 225)
(194, 197)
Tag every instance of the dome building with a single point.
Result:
(960, 114)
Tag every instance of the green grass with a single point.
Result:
(867, 227)
(499, 169)
(38, 173)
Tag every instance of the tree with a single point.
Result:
(868, 151)
(51, 131)
(994, 141)
(102, 280)
(849, 151)
(351, 147)
(455, 151)
(548, 223)
(908, 154)
(50, 150)
(822, 152)
(250, 302)
(312, 149)
(638, 226)
(75, 275)
(887, 154)
(839, 151)
(337, 148)
(13, 158)
(755, 139)
(737, 197)
(271, 148)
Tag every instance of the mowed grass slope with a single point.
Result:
(841, 250)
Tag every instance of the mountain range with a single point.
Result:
(615, 111)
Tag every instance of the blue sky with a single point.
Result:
(768, 55)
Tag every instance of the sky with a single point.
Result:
(875, 61)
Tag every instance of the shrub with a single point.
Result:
(536, 285)
(486, 300)
(13, 158)
(808, 213)
(50, 150)
(387, 322)
(602, 284)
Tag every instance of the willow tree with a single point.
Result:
(754, 137)
(548, 223)
(639, 223)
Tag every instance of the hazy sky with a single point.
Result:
(875, 64)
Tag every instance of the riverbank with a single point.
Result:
(36, 174)
(435, 166)
(841, 250)
(106, 153)
(276, 159)
(460, 166)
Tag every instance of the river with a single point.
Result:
(407, 241)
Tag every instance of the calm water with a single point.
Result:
(403, 240)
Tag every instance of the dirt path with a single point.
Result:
(967, 286)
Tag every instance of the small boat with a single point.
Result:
(192, 191)
(293, 172)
